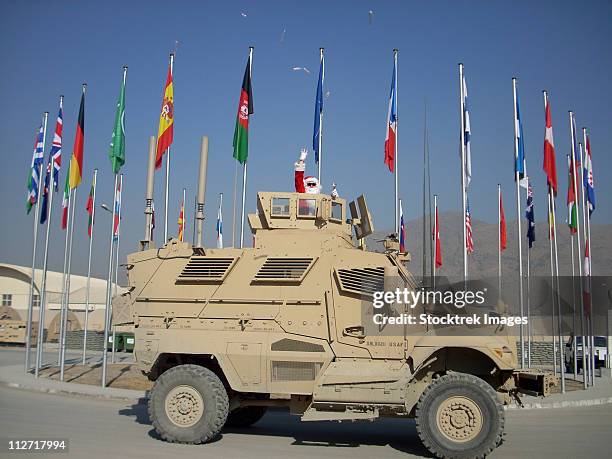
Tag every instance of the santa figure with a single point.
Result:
(308, 184)
(303, 184)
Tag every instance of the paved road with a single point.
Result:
(109, 429)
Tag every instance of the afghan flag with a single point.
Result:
(181, 222)
(550, 163)
(90, 206)
(165, 133)
(245, 108)
(503, 236)
(572, 217)
(76, 161)
(117, 145)
(65, 201)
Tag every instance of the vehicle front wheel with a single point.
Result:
(188, 404)
(459, 416)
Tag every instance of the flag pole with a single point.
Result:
(587, 242)
(499, 282)
(559, 318)
(34, 245)
(321, 117)
(64, 318)
(88, 287)
(109, 286)
(435, 241)
(234, 205)
(552, 234)
(395, 156)
(220, 228)
(66, 308)
(120, 194)
(424, 263)
(576, 203)
(167, 169)
(184, 212)
(528, 290)
(148, 240)
(573, 303)
(518, 224)
(462, 143)
(244, 167)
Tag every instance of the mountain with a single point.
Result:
(483, 262)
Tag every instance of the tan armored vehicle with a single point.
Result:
(226, 333)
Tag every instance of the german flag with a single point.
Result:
(76, 161)
(181, 222)
(165, 132)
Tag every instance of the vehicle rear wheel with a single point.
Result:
(188, 404)
(459, 416)
(245, 416)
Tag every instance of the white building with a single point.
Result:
(15, 290)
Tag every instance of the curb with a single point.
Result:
(75, 393)
(563, 404)
(138, 395)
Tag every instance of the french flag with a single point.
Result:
(391, 135)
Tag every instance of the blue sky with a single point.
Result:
(50, 48)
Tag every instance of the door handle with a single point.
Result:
(356, 331)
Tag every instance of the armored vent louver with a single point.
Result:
(284, 270)
(206, 269)
(363, 281)
(294, 345)
(295, 371)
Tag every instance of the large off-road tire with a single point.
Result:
(459, 416)
(188, 404)
(245, 416)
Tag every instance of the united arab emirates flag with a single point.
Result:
(117, 146)
(245, 108)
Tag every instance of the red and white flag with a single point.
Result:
(503, 237)
(550, 166)
(469, 241)
(437, 242)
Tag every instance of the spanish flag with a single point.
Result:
(166, 121)
(76, 161)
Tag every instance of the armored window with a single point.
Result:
(203, 269)
(363, 281)
(7, 299)
(336, 211)
(290, 270)
(307, 208)
(281, 207)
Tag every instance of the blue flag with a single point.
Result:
(318, 110)
(520, 157)
(530, 217)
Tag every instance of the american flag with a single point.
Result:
(469, 242)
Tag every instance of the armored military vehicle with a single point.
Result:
(227, 333)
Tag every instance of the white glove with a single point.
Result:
(303, 154)
(334, 193)
(300, 166)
